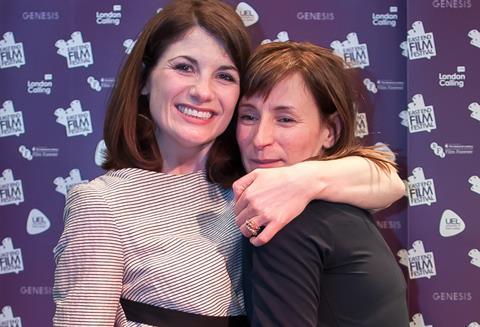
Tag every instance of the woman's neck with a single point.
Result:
(179, 159)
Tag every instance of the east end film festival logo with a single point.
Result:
(281, 37)
(110, 18)
(76, 121)
(474, 36)
(418, 117)
(246, 12)
(353, 53)
(77, 52)
(64, 185)
(10, 259)
(11, 121)
(41, 87)
(474, 107)
(11, 190)
(128, 44)
(419, 44)
(361, 125)
(475, 184)
(11, 53)
(418, 321)
(420, 190)
(454, 79)
(100, 153)
(420, 264)
(387, 19)
(7, 318)
(474, 254)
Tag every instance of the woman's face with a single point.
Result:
(193, 90)
(284, 129)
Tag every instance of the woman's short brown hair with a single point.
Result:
(327, 79)
(129, 128)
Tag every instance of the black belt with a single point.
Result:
(161, 317)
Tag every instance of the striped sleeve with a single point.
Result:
(89, 258)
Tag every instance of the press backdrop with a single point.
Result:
(420, 68)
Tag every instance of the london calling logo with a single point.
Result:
(456, 79)
(11, 53)
(77, 52)
(111, 18)
(388, 19)
(76, 121)
(11, 190)
(39, 87)
(420, 264)
(11, 121)
(354, 53)
(10, 259)
(418, 117)
(419, 44)
(420, 190)
(64, 185)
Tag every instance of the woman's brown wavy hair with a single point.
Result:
(129, 128)
(329, 82)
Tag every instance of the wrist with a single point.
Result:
(312, 178)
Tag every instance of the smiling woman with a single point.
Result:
(192, 94)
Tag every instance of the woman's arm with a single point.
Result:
(273, 197)
(89, 258)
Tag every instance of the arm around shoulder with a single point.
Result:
(353, 180)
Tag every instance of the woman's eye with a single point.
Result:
(286, 120)
(183, 67)
(247, 117)
(227, 77)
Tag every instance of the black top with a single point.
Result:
(329, 267)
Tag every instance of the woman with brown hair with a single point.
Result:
(330, 266)
(154, 240)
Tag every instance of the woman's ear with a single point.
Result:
(332, 130)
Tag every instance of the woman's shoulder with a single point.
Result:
(323, 217)
(325, 210)
(115, 180)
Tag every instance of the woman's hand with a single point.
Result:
(272, 198)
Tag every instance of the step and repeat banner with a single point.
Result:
(420, 72)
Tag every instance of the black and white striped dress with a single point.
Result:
(165, 240)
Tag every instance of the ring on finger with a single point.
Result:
(252, 227)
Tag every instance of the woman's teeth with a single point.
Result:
(194, 113)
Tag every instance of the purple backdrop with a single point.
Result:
(419, 66)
